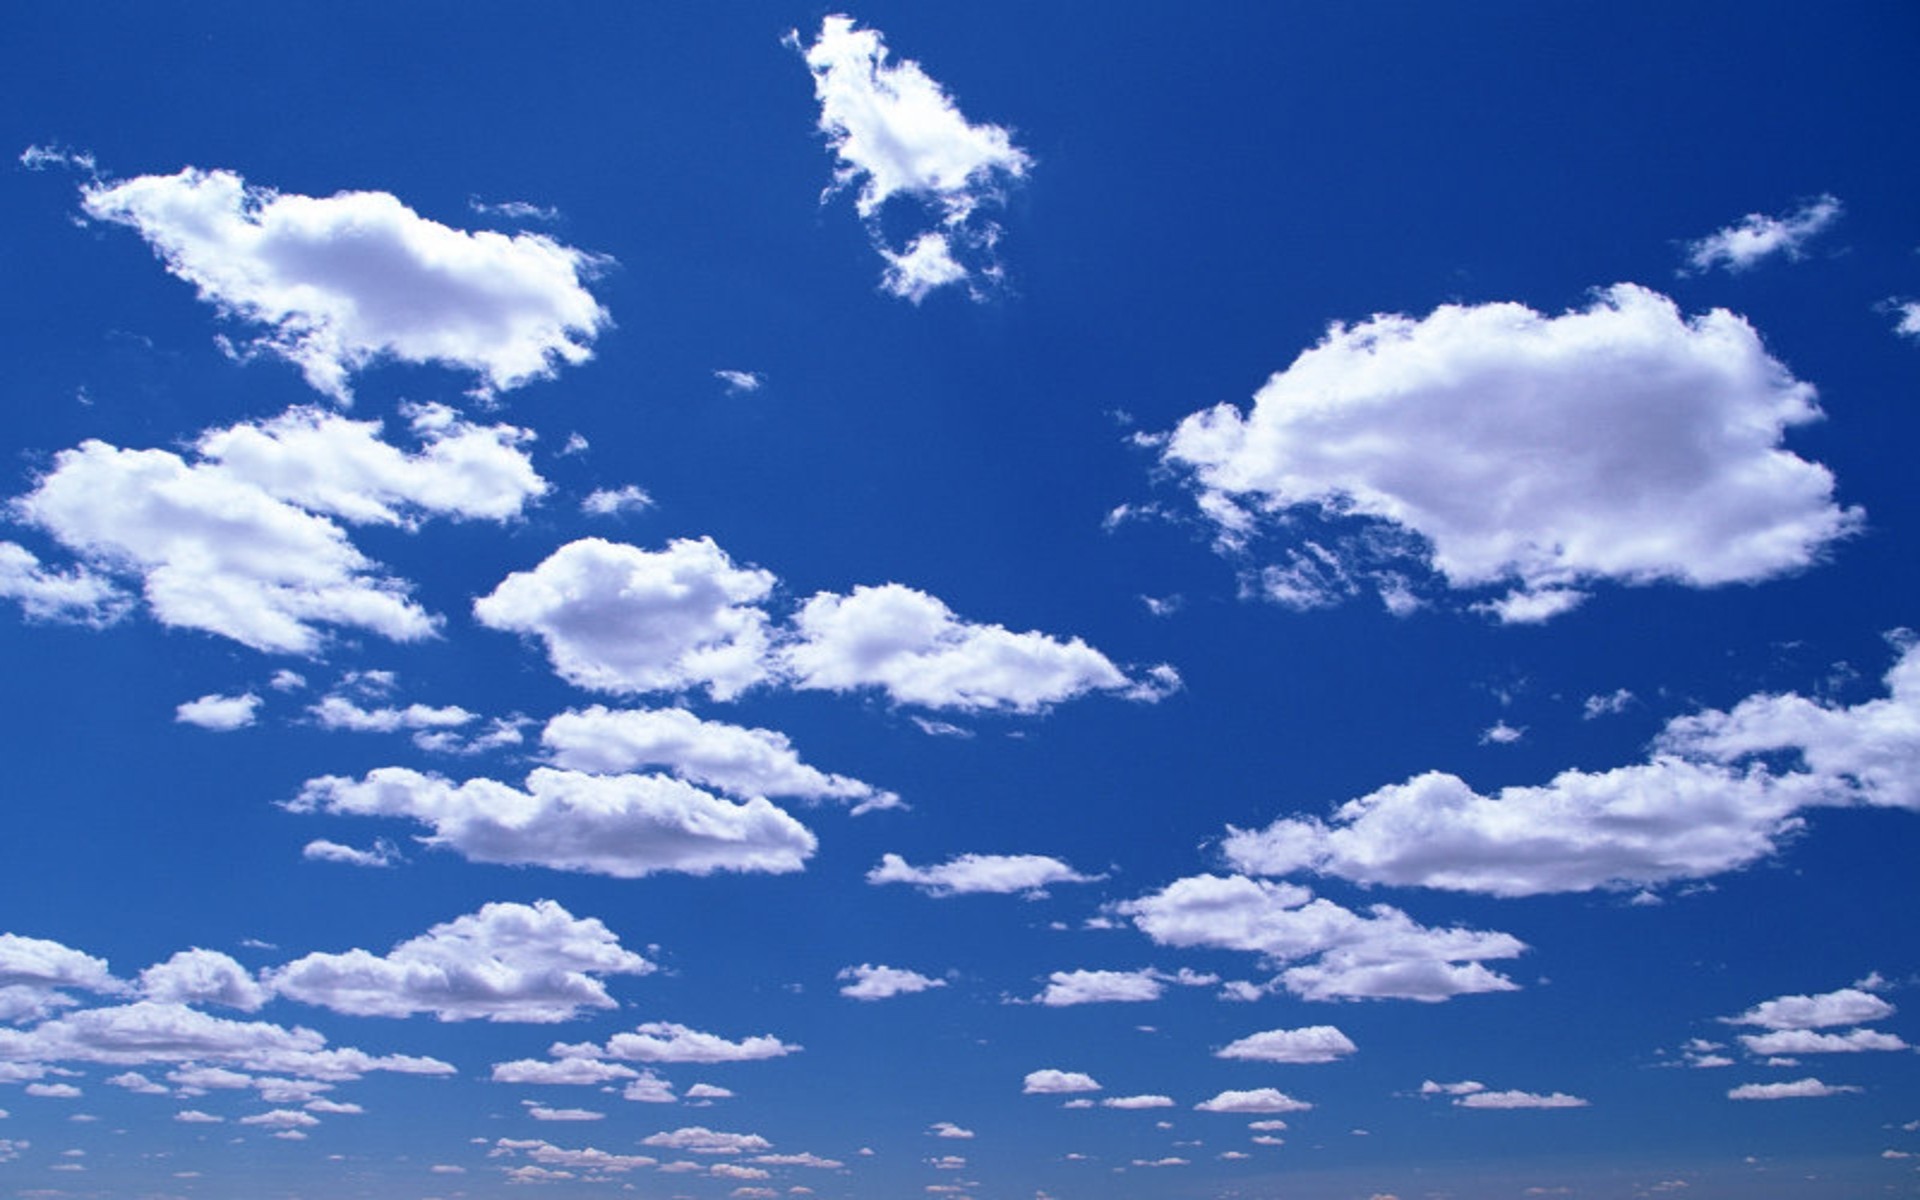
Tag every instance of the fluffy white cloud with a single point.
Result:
(897, 133)
(626, 826)
(1255, 1100)
(1138, 1102)
(76, 596)
(1313, 1044)
(971, 873)
(1515, 1099)
(339, 712)
(1808, 1041)
(587, 1158)
(607, 502)
(1847, 1006)
(383, 854)
(739, 382)
(506, 962)
(617, 618)
(222, 714)
(573, 1071)
(870, 982)
(43, 963)
(1757, 236)
(912, 646)
(1342, 954)
(1067, 988)
(541, 1112)
(735, 759)
(1909, 318)
(343, 280)
(1052, 1082)
(214, 551)
(1799, 1089)
(1620, 442)
(698, 1139)
(946, 1129)
(199, 976)
(326, 464)
(667, 1042)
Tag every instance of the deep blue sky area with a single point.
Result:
(1018, 601)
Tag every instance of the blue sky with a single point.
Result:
(1304, 601)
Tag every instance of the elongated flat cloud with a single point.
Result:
(577, 1072)
(341, 281)
(616, 618)
(1701, 805)
(1313, 1044)
(1518, 1099)
(973, 873)
(1787, 1042)
(870, 982)
(1847, 1006)
(1757, 237)
(913, 647)
(626, 826)
(1341, 954)
(737, 760)
(1067, 988)
(698, 1139)
(1616, 443)
(1253, 1100)
(505, 962)
(669, 1042)
(1799, 1089)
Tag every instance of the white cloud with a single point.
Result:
(667, 1042)
(1312, 1044)
(1799, 1089)
(947, 1129)
(199, 976)
(541, 1112)
(342, 281)
(54, 1091)
(214, 551)
(870, 982)
(912, 646)
(738, 760)
(698, 1139)
(588, 1158)
(1342, 954)
(339, 712)
(1514, 1099)
(974, 873)
(1465, 1087)
(626, 826)
(1757, 236)
(1909, 321)
(1067, 988)
(1605, 706)
(570, 1070)
(1540, 453)
(617, 618)
(193, 1116)
(1807, 1041)
(1847, 1006)
(76, 596)
(33, 972)
(1052, 1082)
(649, 1088)
(383, 854)
(282, 1118)
(707, 1091)
(739, 382)
(1501, 734)
(897, 133)
(505, 962)
(326, 464)
(1138, 1102)
(222, 714)
(608, 502)
(1256, 1100)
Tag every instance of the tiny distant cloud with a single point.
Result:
(933, 728)
(740, 382)
(1757, 237)
(514, 210)
(870, 982)
(1501, 734)
(1612, 704)
(222, 714)
(609, 502)
(1799, 1089)
(42, 158)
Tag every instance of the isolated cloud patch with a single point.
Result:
(1518, 1099)
(670, 1042)
(1051, 1081)
(222, 714)
(505, 962)
(1253, 1100)
(967, 874)
(626, 826)
(1313, 1044)
(1757, 237)
(616, 618)
(870, 982)
(1543, 454)
(1067, 988)
(1799, 1089)
(341, 281)
(1847, 1006)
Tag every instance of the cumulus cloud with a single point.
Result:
(76, 596)
(1067, 988)
(966, 874)
(735, 759)
(1515, 1099)
(1799, 1089)
(35, 973)
(608, 502)
(1513, 449)
(1138, 1102)
(222, 714)
(697, 1139)
(616, 618)
(626, 826)
(199, 976)
(870, 982)
(668, 1042)
(505, 962)
(1312, 1044)
(1807, 1041)
(342, 281)
(1847, 1006)
(1341, 954)
(1050, 1081)
(898, 134)
(1756, 236)
(913, 647)
(1255, 1100)
(947, 1129)
(383, 853)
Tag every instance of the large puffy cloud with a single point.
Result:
(34, 973)
(341, 281)
(742, 761)
(897, 133)
(626, 826)
(1620, 442)
(199, 976)
(1757, 236)
(506, 962)
(1340, 954)
(617, 618)
(1706, 801)
(911, 645)
(971, 873)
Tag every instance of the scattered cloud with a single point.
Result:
(77, 596)
(1612, 704)
(1847, 1006)
(667, 1042)
(968, 874)
(1067, 988)
(740, 382)
(199, 976)
(1514, 1099)
(1255, 1100)
(608, 502)
(698, 1139)
(221, 714)
(383, 853)
(1799, 1089)
(1756, 237)
(1312, 1044)
(947, 1129)
(869, 982)
(1052, 1082)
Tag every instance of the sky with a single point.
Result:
(1286, 602)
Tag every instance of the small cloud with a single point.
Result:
(221, 714)
(740, 382)
(608, 502)
(1501, 734)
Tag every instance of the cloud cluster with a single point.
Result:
(341, 281)
(1540, 453)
